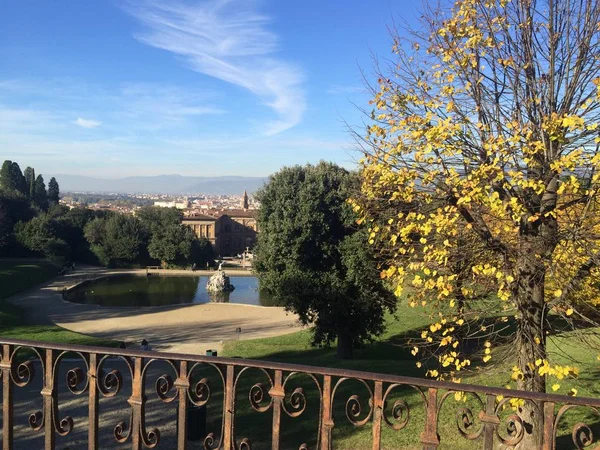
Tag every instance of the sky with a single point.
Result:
(114, 88)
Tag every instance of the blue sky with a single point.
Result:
(214, 87)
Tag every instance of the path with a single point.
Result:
(183, 329)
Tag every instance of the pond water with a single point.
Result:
(158, 290)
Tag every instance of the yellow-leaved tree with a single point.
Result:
(481, 176)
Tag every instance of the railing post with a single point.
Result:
(490, 421)
(182, 384)
(277, 394)
(136, 399)
(377, 414)
(430, 438)
(93, 402)
(327, 421)
(548, 436)
(229, 409)
(49, 394)
(7, 401)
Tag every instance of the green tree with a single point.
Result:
(40, 196)
(154, 218)
(18, 180)
(16, 208)
(5, 175)
(311, 258)
(43, 234)
(53, 191)
(116, 239)
(11, 177)
(172, 244)
(29, 175)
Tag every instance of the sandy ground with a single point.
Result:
(183, 329)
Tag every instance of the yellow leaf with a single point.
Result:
(557, 293)
(569, 311)
(486, 358)
(555, 387)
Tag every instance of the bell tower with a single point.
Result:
(245, 205)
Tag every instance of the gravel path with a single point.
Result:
(184, 329)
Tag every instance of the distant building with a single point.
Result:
(178, 205)
(230, 231)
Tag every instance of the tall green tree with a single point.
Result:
(5, 175)
(16, 207)
(29, 174)
(11, 177)
(312, 259)
(40, 196)
(53, 191)
(18, 180)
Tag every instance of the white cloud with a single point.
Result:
(229, 41)
(87, 123)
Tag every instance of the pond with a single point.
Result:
(158, 290)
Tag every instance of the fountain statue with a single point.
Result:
(219, 282)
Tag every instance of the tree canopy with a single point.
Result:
(311, 259)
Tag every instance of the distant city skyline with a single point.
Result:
(208, 88)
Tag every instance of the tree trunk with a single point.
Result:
(530, 342)
(345, 346)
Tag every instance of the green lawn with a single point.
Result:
(16, 277)
(389, 355)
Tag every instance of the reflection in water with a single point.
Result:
(165, 290)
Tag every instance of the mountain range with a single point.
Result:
(161, 184)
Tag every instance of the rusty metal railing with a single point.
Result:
(93, 374)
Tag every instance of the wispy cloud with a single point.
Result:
(229, 41)
(87, 123)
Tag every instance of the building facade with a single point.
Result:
(230, 231)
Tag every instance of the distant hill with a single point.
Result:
(161, 184)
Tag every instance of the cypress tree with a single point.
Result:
(53, 191)
(40, 196)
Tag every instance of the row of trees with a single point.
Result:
(26, 183)
(31, 220)
(153, 234)
(113, 239)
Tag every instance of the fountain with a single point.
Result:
(219, 283)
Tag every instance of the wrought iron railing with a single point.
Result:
(82, 388)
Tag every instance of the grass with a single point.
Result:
(389, 355)
(16, 277)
